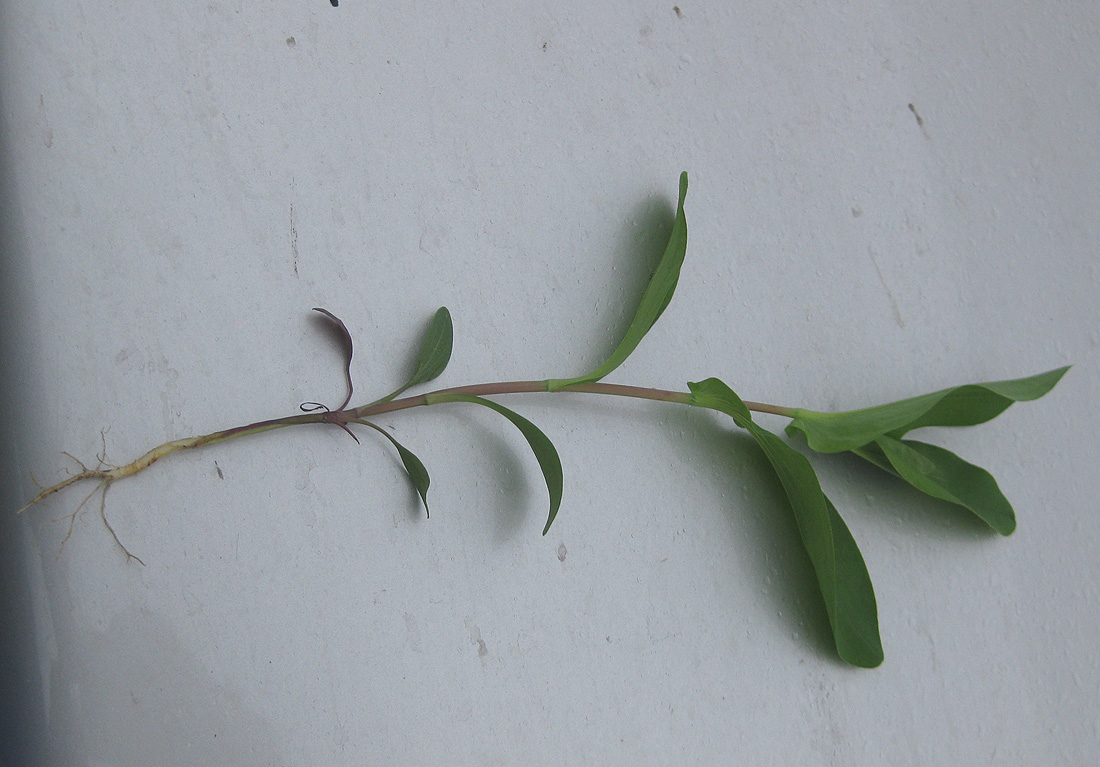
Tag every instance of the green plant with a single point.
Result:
(876, 434)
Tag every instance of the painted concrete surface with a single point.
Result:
(883, 202)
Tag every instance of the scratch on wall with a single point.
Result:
(893, 303)
(920, 121)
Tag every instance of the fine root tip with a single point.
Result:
(75, 460)
(106, 485)
(76, 511)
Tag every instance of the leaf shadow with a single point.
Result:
(639, 246)
(501, 460)
(765, 526)
(919, 513)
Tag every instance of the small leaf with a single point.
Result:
(541, 446)
(348, 347)
(716, 395)
(418, 475)
(942, 474)
(435, 352)
(655, 299)
(958, 406)
(841, 572)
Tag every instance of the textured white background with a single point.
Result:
(183, 181)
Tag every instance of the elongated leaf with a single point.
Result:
(841, 572)
(418, 475)
(348, 347)
(655, 299)
(541, 446)
(873, 453)
(435, 352)
(942, 474)
(959, 406)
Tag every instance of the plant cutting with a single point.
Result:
(879, 435)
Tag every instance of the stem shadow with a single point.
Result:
(766, 526)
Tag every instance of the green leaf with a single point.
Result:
(873, 453)
(841, 572)
(942, 474)
(541, 446)
(435, 352)
(418, 475)
(959, 406)
(655, 299)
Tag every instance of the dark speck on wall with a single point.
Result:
(335, 3)
(916, 114)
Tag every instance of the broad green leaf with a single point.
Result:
(435, 352)
(655, 299)
(959, 406)
(841, 572)
(942, 474)
(418, 475)
(541, 446)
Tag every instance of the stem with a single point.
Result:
(343, 417)
(523, 387)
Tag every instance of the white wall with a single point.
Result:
(184, 181)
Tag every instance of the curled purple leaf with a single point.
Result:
(345, 338)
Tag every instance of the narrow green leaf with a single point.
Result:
(418, 475)
(958, 406)
(942, 474)
(541, 446)
(655, 299)
(841, 572)
(856, 609)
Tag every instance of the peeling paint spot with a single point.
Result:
(294, 236)
(476, 640)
